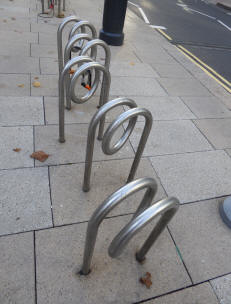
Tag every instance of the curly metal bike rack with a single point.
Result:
(60, 39)
(130, 115)
(143, 215)
(82, 25)
(89, 65)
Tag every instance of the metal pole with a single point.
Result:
(113, 21)
(225, 211)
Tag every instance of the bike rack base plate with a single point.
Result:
(225, 211)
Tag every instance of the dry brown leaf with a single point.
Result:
(40, 155)
(146, 280)
(17, 149)
(132, 63)
(21, 85)
(36, 78)
(36, 84)
(61, 15)
(71, 71)
(13, 18)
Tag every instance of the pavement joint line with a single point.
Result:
(49, 183)
(218, 300)
(35, 269)
(211, 144)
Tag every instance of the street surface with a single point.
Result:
(203, 29)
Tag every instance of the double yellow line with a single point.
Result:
(207, 69)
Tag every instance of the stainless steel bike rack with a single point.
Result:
(89, 64)
(60, 39)
(82, 25)
(145, 213)
(130, 115)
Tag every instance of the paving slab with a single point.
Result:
(16, 137)
(44, 27)
(59, 257)
(17, 269)
(42, 50)
(228, 151)
(80, 113)
(207, 107)
(201, 294)
(18, 64)
(48, 85)
(132, 69)
(180, 87)
(124, 53)
(7, 24)
(18, 37)
(14, 85)
(125, 86)
(195, 176)
(165, 108)
(217, 131)
(150, 55)
(49, 66)
(48, 38)
(74, 149)
(203, 239)
(174, 70)
(170, 137)
(25, 200)
(8, 49)
(222, 288)
(15, 111)
(72, 205)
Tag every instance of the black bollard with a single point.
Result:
(113, 21)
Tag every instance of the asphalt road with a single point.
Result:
(203, 29)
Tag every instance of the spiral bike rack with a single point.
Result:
(67, 56)
(83, 24)
(131, 115)
(61, 27)
(89, 64)
(144, 214)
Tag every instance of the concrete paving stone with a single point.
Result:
(123, 54)
(42, 50)
(44, 28)
(18, 37)
(205, 175)
(8, 49)
(132, 69)
(48, 85)
(78, 206)
(165, 108)
(14, 85)
(14, 10)
(16, 111)
(20, 3)
(48, 38)
(201, 294)
(74, 149)
(49, 66)
(207, 107)
(59, 258)
(228, 151)
(180, 87)
(136, 86)
(17, 269)
(203, 239)
(80, 113)
(222, 288)
(25, 200)
(18, 64)
(170, 137)
(217, 131)
(7, 24)
(150, 55)
(16, 137)
(171, 70)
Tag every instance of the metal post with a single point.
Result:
(43, 9)
(59, 39)
(143, 215)
(130, 115)
(225, 211)
(113, 21)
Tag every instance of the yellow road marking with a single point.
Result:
(205, 65)
(164, 34)
(206, 71)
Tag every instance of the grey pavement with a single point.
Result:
(43, 210)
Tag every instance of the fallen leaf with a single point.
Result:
(146, 280)
(36, 78)
(17, 149)
(13, 18)
(21, 85)
(40, 155)
(5, 20)
(36, 84)
(61, 15)
(132, 63)
(71, 71)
